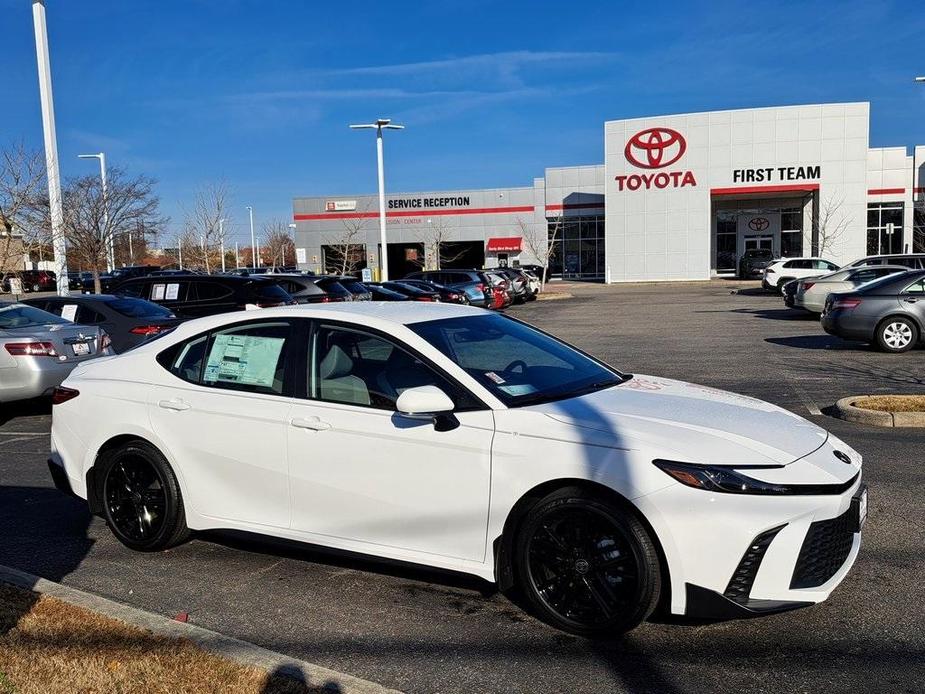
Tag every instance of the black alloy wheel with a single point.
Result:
(141, 498)
(586, 565)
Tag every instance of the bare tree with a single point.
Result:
(439, 251)
(541, 242)
(829, 225)
(90, 221)
(346, 252)
(207, 220)
(278, 244)
(23, 227)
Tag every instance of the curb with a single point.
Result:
(846, 409)
(241, 652)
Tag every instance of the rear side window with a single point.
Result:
(87, 316)
(136, 308)
(207, 291)
(135, 289)
(269, 290)
(916, 287)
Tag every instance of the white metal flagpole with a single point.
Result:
(51, 146)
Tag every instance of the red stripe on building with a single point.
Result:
(918, 190)
(797, 188)
(577, 206)
(886, 191)
(410, 213)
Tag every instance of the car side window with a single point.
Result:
(357, 368)
(87, 316)
(826, 265)
(249, 357)
(916, 287)
(134, 289)
(866, 276)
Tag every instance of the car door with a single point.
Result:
(912, 299)
(224, 415)
(362, 472)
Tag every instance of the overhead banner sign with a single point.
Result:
(340, 205)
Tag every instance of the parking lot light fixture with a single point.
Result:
(380, 125)
(110, 251)
(920, 79)
(51, 145)
(221, 240)
(254, 261)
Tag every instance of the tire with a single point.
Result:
(36, 288)
(141, 498)
(602, 580)
(896, 334)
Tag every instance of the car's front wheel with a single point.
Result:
(585, 564)
(142, 503)
(896, 334)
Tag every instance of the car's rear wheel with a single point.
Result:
(896, 334)
(142, 503)
(586, 565)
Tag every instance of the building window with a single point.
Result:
(884, 228)
(726, 238)
(918, 228)
(578, 247)
(791, 232)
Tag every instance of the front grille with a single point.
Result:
(740, 585)
(824, 551)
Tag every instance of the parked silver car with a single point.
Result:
(812, 291)
(39, 349)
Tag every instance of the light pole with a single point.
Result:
(110, 253)
(296, 259)
(221, 240)
(180, 252)
(254, 261)
(379, 125)
(51, 145)
(237, 257)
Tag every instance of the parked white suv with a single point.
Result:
(778, 273)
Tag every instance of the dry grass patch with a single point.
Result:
(892, 403)
(49, 646)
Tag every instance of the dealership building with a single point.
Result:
(677, 198)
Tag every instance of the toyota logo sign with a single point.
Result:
(655, 148)
(758, 224)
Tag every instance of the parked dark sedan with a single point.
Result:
(382, 294)
(412, 293)
(446, 294)
(192, 296)
(889, 312)
(126, 320)
(110, 280)
(309, 289)
(359, 290)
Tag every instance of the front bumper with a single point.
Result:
(743, 555)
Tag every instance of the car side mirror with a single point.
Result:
(428, 402)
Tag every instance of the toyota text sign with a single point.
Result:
(655, 148)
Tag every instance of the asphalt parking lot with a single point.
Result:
(421, 631)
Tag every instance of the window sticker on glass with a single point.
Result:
(157, 292)
(244, 359)
(518, 389)
(173, 291)
(494, 377)
(69, 312)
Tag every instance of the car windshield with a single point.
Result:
(518, 364)
(19, 316)
(138, 308)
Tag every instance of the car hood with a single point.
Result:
(690, 422)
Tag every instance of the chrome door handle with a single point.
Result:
(176, 404)
(910, 299)
(313, 423)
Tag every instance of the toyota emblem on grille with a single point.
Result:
(758, 224)
(842, 457)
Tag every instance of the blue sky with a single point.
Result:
(259, 93)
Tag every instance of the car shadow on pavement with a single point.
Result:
(817, 342)
(774, 314)
(24, 408)
(44, 533)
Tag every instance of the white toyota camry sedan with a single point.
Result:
(446, 436)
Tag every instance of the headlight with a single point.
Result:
(712, 478)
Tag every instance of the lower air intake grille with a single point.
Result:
(740, 585)
(824, 551)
